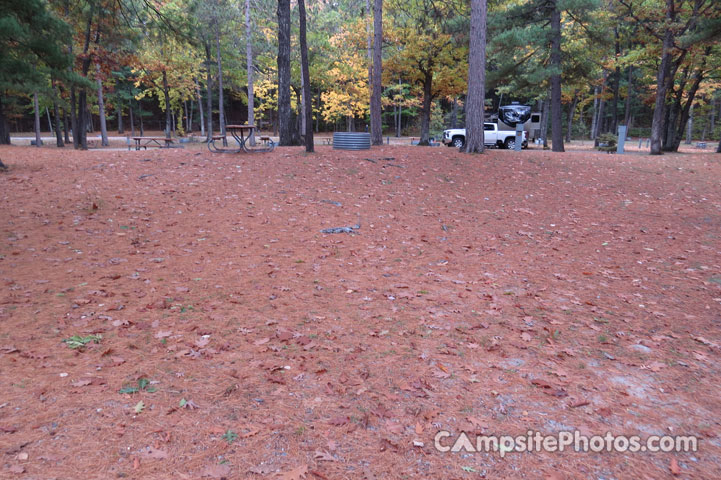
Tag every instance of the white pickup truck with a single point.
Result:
(492, 137)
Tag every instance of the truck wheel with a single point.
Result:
(459, 142)
(510, 143)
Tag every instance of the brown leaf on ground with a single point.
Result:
(296, 474)
(323, 456)
(216, 471)
(154, 453)
(674, 467)
(339, 420)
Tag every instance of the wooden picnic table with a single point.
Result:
(145, 142)
(241, 134)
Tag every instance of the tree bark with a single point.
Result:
(4, 127)
(616, 85)
(132, 119)
(571, 113)
(249, 68)
(66, 126)
(83, 116)
(221, 100)
(209, 88)
(307, 103)
(140, 116)
(556, 112)
(38, 140)
(544, 121)
(426, 110)
(119, 113)
(285, 116)
(376, 106)
(200, 110)
(168, 113)
(627, 113)
(475, 114)
(594, 117)
(689, 127)
(664, 71)
(50, 122)
(56, 112)
(101, 109)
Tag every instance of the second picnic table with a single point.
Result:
(145, 142)
(241, 134)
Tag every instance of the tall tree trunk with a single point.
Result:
(209, 90)
(475, 102)
(664, 71)
(119, 113)
(594, 117)
(56, 112)
(307, 112)
(545, 113)
(221, 101)
(101, 110)
(629, 92)
(691, 95)
(168, 112)
(4, 126)
(38, 140)
(426, 110)
(74, 118)
(689, 127)
(83, 117)
(249, 68)
(201, 110)
(132, 119)
(285, 115)
(376, 106)
(616, 85)
(140, 116)
(556, 112)
(399, 126)
(571, 113)
(50, 122)
(66, 126)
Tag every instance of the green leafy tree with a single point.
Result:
(29, 37)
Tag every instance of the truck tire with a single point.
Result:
(510, 143)
(458, 142)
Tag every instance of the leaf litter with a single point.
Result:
(521, 312)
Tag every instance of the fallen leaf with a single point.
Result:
(82, 382)
(139, 407)
(17, 469)
(23, 456)
(262, 341)
(261, 469)
(295, 474)
(202, 342)
(674, 467)
(323, 456)
(155, 453)
(163, 334)
(217, 471)
(338, 421)
(526, 337)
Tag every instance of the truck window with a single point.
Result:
(487, 126)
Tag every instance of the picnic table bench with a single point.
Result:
(145, 142)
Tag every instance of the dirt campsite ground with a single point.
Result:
(179, 314)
